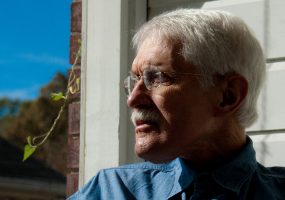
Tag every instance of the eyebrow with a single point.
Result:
(148, 66)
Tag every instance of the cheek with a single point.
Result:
(181, 110)
(174, 111)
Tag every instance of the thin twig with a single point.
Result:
(71, 79)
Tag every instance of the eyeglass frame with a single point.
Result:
(137, 78)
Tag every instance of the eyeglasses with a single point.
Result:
(152, 78)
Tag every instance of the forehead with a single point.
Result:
(153, 52)
(158, 52)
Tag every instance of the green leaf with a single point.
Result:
(28, 151)
(57, 96)
(29, 139)
(78, 82)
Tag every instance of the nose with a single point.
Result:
(139, 97)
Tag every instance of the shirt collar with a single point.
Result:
(183, 176)
(233, 174)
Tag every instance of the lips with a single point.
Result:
(145, 126)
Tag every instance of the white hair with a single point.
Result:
(216, 42)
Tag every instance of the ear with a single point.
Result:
(233, 92)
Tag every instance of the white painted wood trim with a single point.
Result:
(104, 124)
(100, 88)
(83, 92)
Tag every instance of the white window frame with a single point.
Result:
(104, 124)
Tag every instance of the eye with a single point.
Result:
(152, 78)
(165, 78)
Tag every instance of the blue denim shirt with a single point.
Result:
(240, 178)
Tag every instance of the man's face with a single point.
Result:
(182, 111)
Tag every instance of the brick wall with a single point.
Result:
(74, 105)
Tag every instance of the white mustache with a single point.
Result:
(145, 115)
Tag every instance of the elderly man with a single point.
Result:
(193, 89)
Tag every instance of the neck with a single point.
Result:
(218, 149)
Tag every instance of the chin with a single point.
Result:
(153, 146)
(152, 155)
(156, 159)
